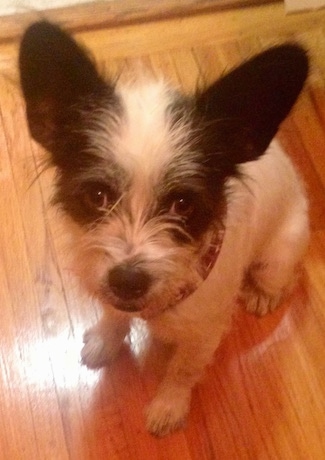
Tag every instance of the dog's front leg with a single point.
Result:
(103, 341)
(168, 410)
(196, 327)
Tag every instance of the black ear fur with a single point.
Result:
(55, 74)
(242, 111)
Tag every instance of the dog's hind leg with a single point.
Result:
(272, 274)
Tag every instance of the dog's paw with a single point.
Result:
(165, 415)
(260, 303)
(96, 352)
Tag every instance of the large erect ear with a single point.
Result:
(55, 74)
(246, 106)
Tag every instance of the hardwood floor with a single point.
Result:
(263, 397)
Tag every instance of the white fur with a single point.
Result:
(142, 140)
(266, 235)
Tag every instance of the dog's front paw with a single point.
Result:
(167, 414)
(260, 303)
(96, 352)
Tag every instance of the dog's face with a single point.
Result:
(142, 169)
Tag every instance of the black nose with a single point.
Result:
(128, 282)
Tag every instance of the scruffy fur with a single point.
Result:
(179, 204)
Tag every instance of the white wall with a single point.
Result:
(21, 6)
(299, 5)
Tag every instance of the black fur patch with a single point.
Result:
(243, 110)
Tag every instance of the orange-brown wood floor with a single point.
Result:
(263, 397)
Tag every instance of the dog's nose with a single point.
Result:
(128, 282)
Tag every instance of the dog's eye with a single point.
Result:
(97, 196)
(182, 205)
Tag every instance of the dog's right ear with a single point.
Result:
(55, 73)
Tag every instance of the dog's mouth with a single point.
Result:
(130, 308)
(152, 305)
(127, 306)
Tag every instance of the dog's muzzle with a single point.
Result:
(129, 282)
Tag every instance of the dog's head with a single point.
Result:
(142, 169)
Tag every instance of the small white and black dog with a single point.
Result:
(182, 204)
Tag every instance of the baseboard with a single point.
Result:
(116, 13)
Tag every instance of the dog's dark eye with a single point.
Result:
(182, 205)
(98, 197)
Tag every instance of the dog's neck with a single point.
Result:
(206, 263)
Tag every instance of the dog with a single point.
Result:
(180, 204)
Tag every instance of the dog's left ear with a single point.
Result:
(242, 111)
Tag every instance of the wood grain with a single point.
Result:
(263, 397)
